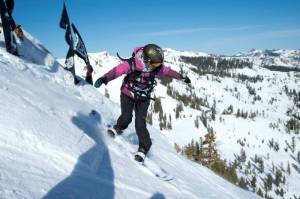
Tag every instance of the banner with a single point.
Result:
(76, 46)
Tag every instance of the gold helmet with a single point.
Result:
(153, 55)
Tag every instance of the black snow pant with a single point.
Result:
(140, 109)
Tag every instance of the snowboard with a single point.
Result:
(148, 165)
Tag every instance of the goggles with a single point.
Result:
(151, 64)
(155, 65)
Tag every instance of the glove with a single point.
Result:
(185, 78)
(100, 81)
(19, 32)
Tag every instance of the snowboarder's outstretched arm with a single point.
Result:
(117, 71)
(168, 72)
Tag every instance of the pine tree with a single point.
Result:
(260, 193)
(280, 192)
(243, 156)
(253, 182)
(165, 121)
(169, 124)
(213, 110)
(162, 121)
(196, 122)
(178, 110)
(261, 165)
(276, 146)
(201, 155)
(249, 165)
(149, 118)
(278, 176)
(238, 114)
(293, 144)
(197, 152)
(289, 169)
(269, 182)
(209, 148)
(189, 150)
(177, 148)
(203, 119)
(232, 175)
(157, 106)
(243, 183)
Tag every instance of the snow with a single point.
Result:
(277, 57)
(51, 147)
(168, 52)
(230, 130)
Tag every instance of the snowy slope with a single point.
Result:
(281, 57)
(233, 133)
(50, 146)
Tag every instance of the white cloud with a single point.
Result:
(254, 39)
(196, 30)
(176, 32)
(280, 33)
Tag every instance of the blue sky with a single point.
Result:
(215, 26)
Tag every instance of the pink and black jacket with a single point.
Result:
(140, 78)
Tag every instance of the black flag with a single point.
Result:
(76, 46)
(81, 52)
(64, 21)
(65, 24)
(79, 46)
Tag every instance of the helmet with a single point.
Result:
(153, 55)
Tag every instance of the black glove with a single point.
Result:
(185, 78)
(100, 81)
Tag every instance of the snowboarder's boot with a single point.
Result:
(115, 130)
(140, 156)
(76, 80)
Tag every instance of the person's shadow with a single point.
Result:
(158, 196)
(93, 175)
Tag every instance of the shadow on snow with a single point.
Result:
(93, 175)
(158, 196)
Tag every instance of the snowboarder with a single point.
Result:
(10, 4)
(141, 69)
(11, 22)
